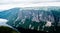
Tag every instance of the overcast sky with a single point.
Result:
(24, 1)
(7, 4)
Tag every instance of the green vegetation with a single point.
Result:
(4, 29)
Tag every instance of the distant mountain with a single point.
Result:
(10, 15)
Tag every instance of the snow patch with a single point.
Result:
(48, 24)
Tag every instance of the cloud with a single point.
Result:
(3, 20)
(9, 6)
(23, 1)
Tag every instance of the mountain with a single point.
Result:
(10, 15)
(35, 19)
(40, 19)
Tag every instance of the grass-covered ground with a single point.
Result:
(4, 29)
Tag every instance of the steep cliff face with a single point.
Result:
(40, 19)
(35, 19)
